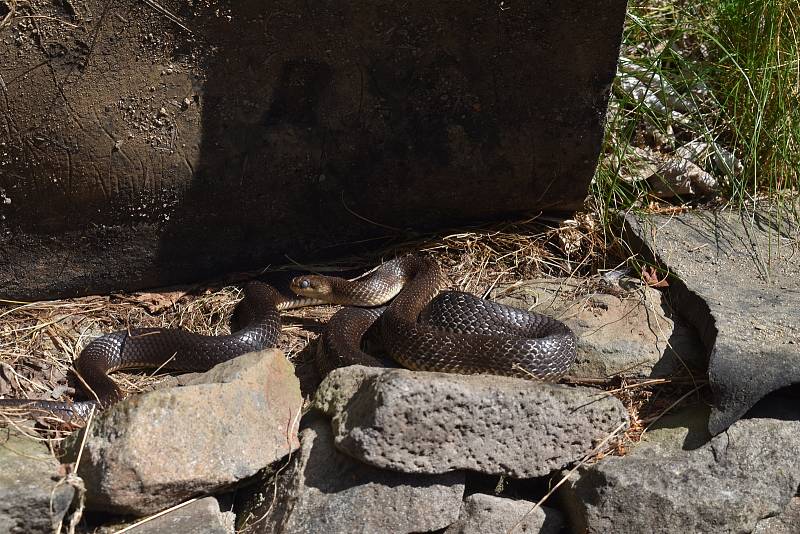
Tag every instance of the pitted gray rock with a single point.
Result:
(200, 517)
(32, 500)
(154, 450)
(487, 514)
(324, 490)
(727, 485)
(786, 523)
(419, 422)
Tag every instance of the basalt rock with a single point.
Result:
(33, 493)
(422, 422)
(155, 450)
(730, 484)
(324, 490)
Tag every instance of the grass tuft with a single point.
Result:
(725, 74)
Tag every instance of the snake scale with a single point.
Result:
(419, 327)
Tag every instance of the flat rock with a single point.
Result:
(727, 485)
(740, 287)
(420, 422)
(154, 450)
(635, 334)
(788, 522)
(32, 498)
(324, 490)
(200, 517)
(487, 514)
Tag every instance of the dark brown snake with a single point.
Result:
(167, 348)
(425, 330)
(452, 332)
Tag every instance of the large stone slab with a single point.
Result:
(155, 450)
(227, 136)
(728, 485)
(324, 490)
(419, 422)
(740, 287)
(634, 333)
(487, 514)
(33, 496)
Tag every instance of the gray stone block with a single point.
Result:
(739, 285)
(33, 499)
(487, 514)
(420, 422)
(324, 490)
(200, 517)
(152, 451)
(727, 485)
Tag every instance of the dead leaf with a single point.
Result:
(156, 302)
(650, 277)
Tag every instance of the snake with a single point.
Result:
(425, 329)
(419, 326)
(173, 349)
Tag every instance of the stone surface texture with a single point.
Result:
(633, 333)
(740, 287)
(727, 485)
(420, 422)
(273, 128)
(200, 517)
(32, 498)
(324, 490)
(154, 450)
(786, 523)
(487, 514)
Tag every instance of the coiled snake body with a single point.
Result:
(451, 332)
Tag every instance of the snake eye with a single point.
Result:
(304, 283)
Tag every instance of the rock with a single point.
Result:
(727, 485)
(740, 289)
(487, 514)
(154, 450)
(324, 490)
(421, 422)
(634, 336)
(32, 496)
(200, 517)
(788, 522)
(681, 177)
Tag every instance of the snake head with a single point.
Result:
(311, 286)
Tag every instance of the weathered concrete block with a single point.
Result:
(420, 422)
(740, 288)
(154, 450)
(153, 155)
